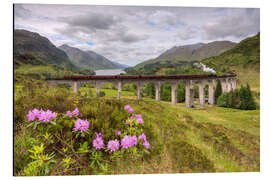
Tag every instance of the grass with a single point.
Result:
(108, 92)
(42, 71)
(190, 125)
(183, 140)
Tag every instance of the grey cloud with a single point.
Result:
(238, 26)
(187, 34)
(92, 21)
(21, 12)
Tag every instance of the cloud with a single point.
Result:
(91, 22)
(132, 34)
(237, 25)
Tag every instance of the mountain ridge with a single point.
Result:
(88, 59)
(38, 49)
(188, 53)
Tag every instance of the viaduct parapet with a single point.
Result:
(228, 83)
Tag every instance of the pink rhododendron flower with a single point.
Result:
(98, 142)
(81, 125)
(142, 137)
(139, 118)
(128, 141)
(129, 109)
(69, 114)
(113, 145)
(42, 116)
(31, 116)
(118, 132)
(134, 140)
(46, 116)
(146, 144)
(75, 112)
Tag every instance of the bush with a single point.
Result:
(102, 94)
(70, 141)
(239, 99)
(218, 90)
(149, 90)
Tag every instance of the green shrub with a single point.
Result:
(149, 90)
(218, 90)
(240, 99)
(102, 94)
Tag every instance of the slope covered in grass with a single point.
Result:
(243, 59)
(210, 139)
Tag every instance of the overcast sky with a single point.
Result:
(132, 34)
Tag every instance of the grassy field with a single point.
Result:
(210, 139)
(108, 92)
(183, 140)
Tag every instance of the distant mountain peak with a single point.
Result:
(187, 53)
(40, 48)
(88, 59)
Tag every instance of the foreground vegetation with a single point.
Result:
(210, 139)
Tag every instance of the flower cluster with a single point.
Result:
(42, 116)
(145, 142)
(81, 125)
(113, 145)
(128, 141)
(137, 117)
(128, 108)
(75, 112)
(98, 142)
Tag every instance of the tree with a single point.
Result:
(246, 98)
(218, 90)
(239, 99)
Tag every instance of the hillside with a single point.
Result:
(31, 48)
(243, 59)
(210, 139)
(188, 53)
(88, 59)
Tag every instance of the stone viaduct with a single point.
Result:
(228, 83)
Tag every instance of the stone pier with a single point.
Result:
(228, 83)
(201, 93)
(139, 91)
(119, 90)
(189, 93)
(211, 92)
(75, 87)
(174, 93)
(223, 85)
(158, 89)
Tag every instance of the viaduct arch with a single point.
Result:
(228, 83)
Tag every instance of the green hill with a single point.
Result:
(88, 59)
(37, 57)
(181, 55)
(28, 43)
(243, 59)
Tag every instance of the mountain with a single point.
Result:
(187, 53)
(32, 48)
(243, 59)
(121, 66)
(88, 59)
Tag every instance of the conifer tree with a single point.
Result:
(218, 90)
